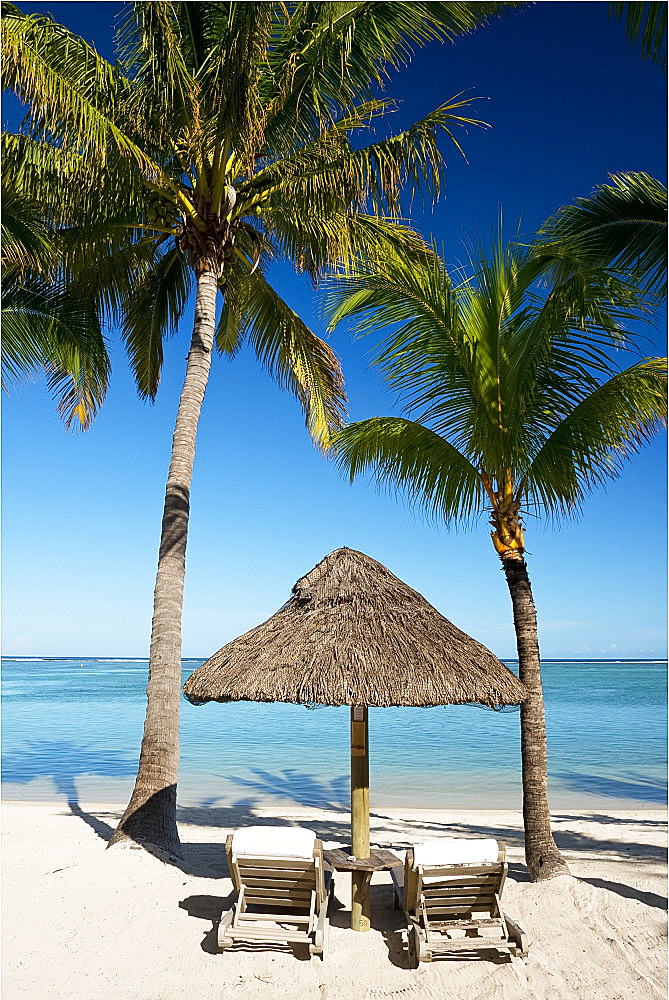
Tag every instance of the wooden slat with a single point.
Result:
(463, 902)
(461, 880)
(301, 904)
(430, 891)
(272, 869)
(278, 935)
(279, 890)
(261, 878)
(460, 897)
(380, 859)
(469, 944)
(274, 918)
(273, 887)
(459, 912)
(467, 924)
(443, 871)
(287, 901)
(291, 902)
(250, 861)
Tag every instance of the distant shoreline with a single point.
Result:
(198, 659)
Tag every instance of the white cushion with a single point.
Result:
(274, 842)
(455, 851)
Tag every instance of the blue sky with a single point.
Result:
(569, 101)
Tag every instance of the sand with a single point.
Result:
(82, 922)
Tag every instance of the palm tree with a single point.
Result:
(515, 405)
(222, 141)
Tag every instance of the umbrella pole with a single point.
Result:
(359, 816)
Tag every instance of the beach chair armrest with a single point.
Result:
(321, 935)
(223, 927)
(322, 919)
(517, 935)
(397, 876)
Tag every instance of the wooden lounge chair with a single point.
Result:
(278, 873)
(450, 891)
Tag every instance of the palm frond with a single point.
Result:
(151, 313)
(406, 456)
(622, 226)
(486, 360)
(26, 242)
(429, 359)
(72, 91)
(330, 55)
(591, 443)
(339, 241)
(53, 328)
(409, 162)
(292, 354)
(648, 22)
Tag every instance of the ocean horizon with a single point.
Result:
(72, 728)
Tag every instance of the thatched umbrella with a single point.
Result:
(353, 634)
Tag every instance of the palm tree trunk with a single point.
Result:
(542, 857)
(151, 815)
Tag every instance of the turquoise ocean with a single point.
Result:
(71, 731)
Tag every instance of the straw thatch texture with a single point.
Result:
(353, 634)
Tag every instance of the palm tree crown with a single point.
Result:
(515, 395)
(224, 141)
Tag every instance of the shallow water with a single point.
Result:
(71, 728)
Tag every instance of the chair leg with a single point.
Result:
(413, 941)
(424, 953)
(223, 940)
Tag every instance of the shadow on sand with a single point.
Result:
(207, 859)
(629, 892)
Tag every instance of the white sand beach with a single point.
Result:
(80, 922)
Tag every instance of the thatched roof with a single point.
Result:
(353, 634)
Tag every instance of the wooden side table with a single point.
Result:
(380, 859)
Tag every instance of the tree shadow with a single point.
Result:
(63, 761)
(605, 818)
(636, 788)
(207, 858)
(629, 892)
(299, 787)
(102, 829)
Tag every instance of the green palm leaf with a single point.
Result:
(26, 243)
(497, 367)
(591, 444)
(331, 55)
(151, 312)
(50, 327)
(293, 355)
(415, 460)
(648, 22)
(621, 226)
